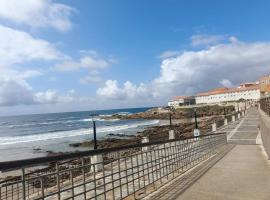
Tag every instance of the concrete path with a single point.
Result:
(242, 174)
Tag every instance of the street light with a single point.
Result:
(196, 131)
(195, 116)
(94, 130)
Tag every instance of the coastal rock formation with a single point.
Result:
(180, 113)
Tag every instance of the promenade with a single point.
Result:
(242, 174)
(229, 164)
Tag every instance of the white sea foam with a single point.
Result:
(65, 134)
(58, 122)
(105, 115)
(100, 119)
(123, 113)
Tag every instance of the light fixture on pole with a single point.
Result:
(94, 129)
(196, 131)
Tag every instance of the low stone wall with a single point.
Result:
(265, 131)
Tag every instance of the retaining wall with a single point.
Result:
(265, 131)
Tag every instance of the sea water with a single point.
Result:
(30, 136)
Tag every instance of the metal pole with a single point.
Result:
(196, 122)
(95, 134)
(170, 116)
(224, 111)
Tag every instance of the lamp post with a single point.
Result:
(196, 131)
(94, 130)
(195, 116)
(225, 113)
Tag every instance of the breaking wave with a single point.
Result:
(73, 133)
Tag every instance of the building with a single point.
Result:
(265, 85)
(246, 91)
(182, 101)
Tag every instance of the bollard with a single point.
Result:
(225, 122)
(171, 135)
(233, 118)
(243, 114)
(97, 161)
(196, 132)
(214, 127)
(145, 140)
(238, 115)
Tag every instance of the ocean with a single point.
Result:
(31, 136)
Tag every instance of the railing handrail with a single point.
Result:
(17, 164)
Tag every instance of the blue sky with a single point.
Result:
(99, 54)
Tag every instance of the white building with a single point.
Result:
(182, 101)
(248, 91)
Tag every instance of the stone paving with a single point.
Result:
(243, 173)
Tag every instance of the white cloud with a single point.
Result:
(14, 92)
(18, 47)
(37, 13)
(190, 72)
(53, 97)
(17, 50)
(194, 71)
(206, 40)
(90, 62)
(226, 83)
(111, 90)
(168, 53)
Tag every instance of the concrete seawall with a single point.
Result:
(265, 131)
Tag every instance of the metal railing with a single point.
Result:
(130, 172)
(265, 105)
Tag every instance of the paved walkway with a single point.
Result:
(241, 174)
(244, 173)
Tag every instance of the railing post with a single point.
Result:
(225, 122)
(214, 127)
(97, 161)
(58, 180)
(233, 118)
(23, 184)
(171, 135)
(42, 188)
(83, 174)
(145, 140)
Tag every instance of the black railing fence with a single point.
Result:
(265, 105)
(129, 172)
(116, 173)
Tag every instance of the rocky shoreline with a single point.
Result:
(183, 126)
(179, 113)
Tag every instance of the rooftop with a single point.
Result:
(230, 90)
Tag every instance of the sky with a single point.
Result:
(61, 56)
